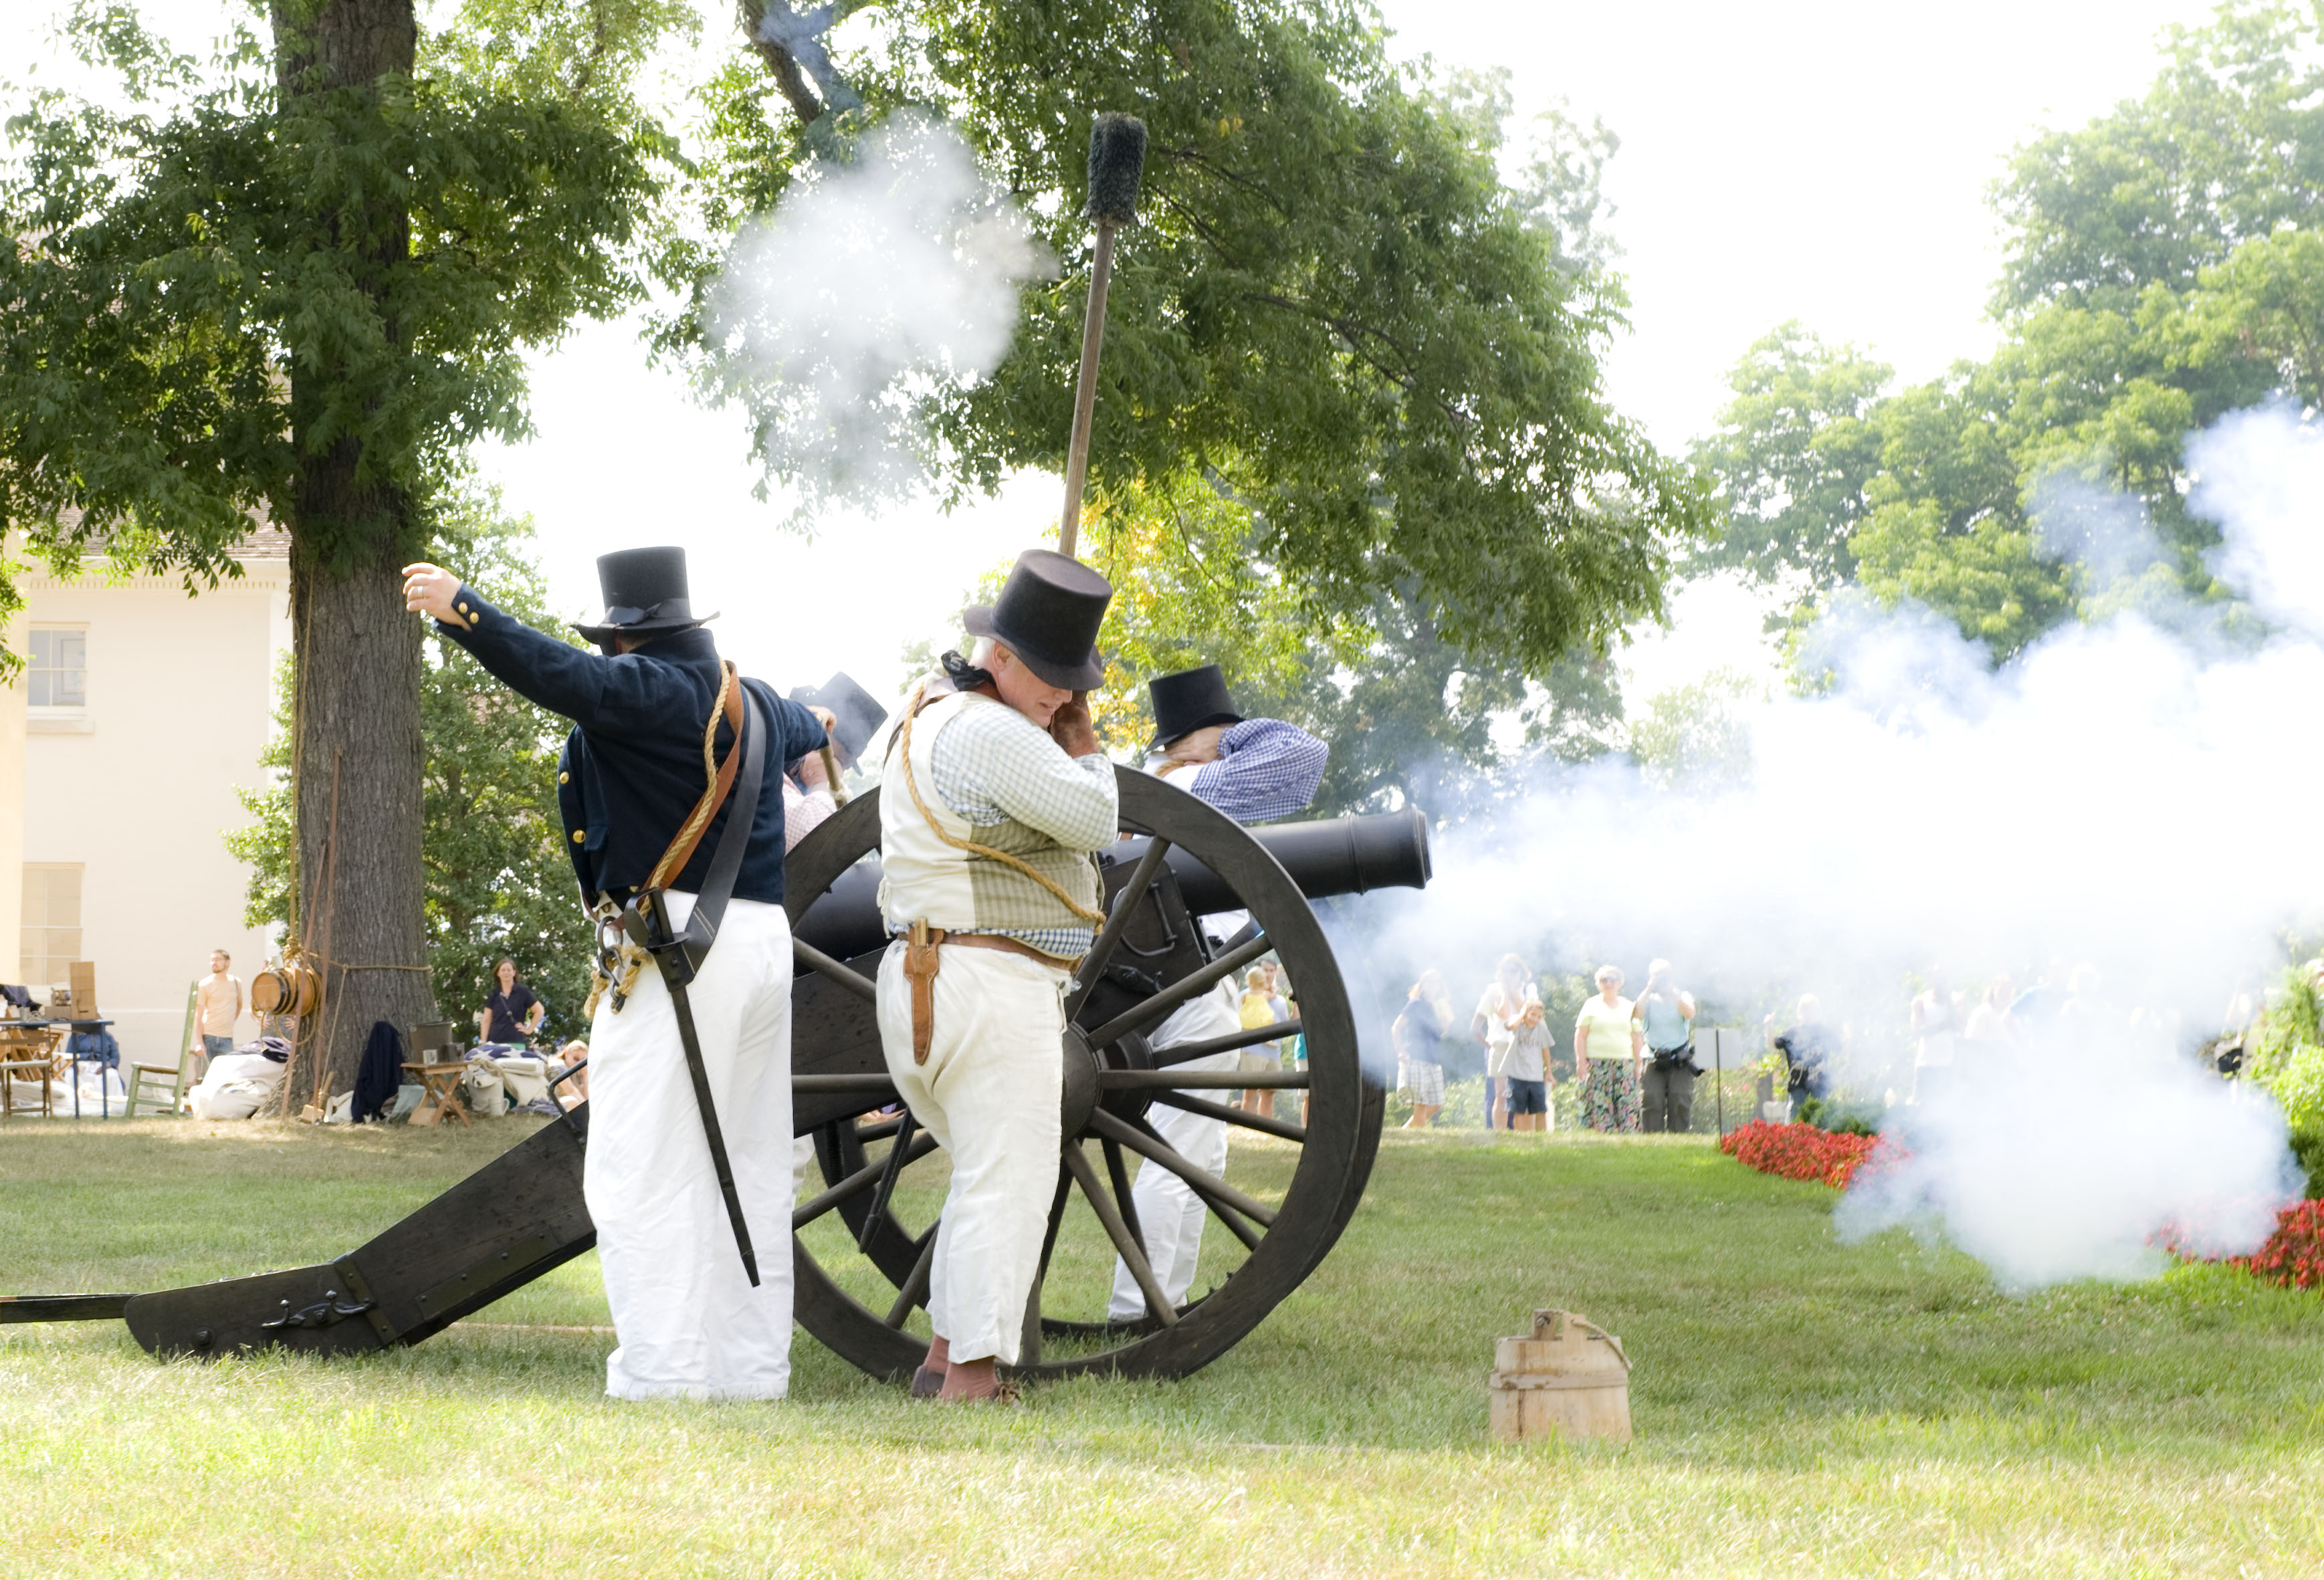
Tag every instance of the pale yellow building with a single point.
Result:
(140, 714)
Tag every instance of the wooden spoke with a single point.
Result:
(1148, 1011)
(1029, 1345)
(1208, 1110)
(899, 1155)
(1118, 1177)
(867, 1082)
(916, 1288)
(1125, 906)
(1185, 1053)
(888, 1126)
(839, 971)
(1133, 1253)
(863, 1179)
(1207, 1080)
(1204, 1182)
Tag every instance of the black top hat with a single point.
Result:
(644, 591)
(1188, 701)
(859, 714)
(1048, 614)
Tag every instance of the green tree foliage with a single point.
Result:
(1333, 306)
(1693, 737)
(2163, 268)
(300, 282)
(498, 878)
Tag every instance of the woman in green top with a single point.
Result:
(1606, 1048)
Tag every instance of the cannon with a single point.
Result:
(860, 1260)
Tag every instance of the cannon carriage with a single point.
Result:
(861, 1258)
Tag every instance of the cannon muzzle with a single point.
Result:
(1330, 855)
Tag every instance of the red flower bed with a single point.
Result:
(1799, 1152)
(2293, 1254)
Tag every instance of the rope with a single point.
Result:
(904, 740)
(709, 802)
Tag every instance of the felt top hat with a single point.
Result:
(1188, 701)
(858, 714)
(1048, 614)
(645, 596)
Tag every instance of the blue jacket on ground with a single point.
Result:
(631, 769)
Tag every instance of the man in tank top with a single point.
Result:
(1666, 1017)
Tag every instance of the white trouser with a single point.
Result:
(989, 1094)
(1169, 1214)
(688, 1322)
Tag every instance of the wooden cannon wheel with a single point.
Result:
(864, 1236)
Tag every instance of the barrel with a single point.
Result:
(291, 988)
(1567, 1379)
(1330, 856)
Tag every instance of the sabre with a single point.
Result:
(1117, 159)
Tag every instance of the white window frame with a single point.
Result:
(57, 968)
(54, 718)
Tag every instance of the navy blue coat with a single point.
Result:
(632, 770)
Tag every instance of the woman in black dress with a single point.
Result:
(512, 1015)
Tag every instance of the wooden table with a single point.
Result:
(443, 1084)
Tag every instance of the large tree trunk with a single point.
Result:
(358, 751)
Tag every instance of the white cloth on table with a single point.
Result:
(989, 1094)
(1169, 1214)
(688, 1323)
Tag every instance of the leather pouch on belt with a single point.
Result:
(922, 959)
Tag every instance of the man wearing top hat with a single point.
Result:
(689, 1321)
(1253, 770)
(992, 803)
(850, 716)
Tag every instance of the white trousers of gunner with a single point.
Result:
(989, 1094)
(687, 1322)
(1169, 1214)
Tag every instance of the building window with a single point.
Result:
(51, 922)
(59, 673)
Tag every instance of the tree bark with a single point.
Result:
(358, 755)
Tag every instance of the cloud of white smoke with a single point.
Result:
(2114, 797)
(871, 288)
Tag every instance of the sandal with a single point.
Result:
(927, 1383)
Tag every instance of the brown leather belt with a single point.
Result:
(922, 962)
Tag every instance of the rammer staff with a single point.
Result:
(1117, 159)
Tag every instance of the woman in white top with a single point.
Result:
(1606, 1049)
(1496, 1013)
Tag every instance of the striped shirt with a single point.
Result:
(1266, 769)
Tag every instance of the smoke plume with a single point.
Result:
(2115, 805)
(872, 286)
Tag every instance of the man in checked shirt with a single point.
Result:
(993, 801)
(1254, 770)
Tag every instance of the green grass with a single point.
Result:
(1802, 1408)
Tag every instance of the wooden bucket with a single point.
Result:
(1568, 1379)
(292, 987)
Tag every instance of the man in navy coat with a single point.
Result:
(688, 1321)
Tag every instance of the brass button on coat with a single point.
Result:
(578, 836)
(564, 778)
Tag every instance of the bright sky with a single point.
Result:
(1787, 158)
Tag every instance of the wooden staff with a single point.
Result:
(1117, 159)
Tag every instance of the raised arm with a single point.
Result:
(992, 762)
(589, 688)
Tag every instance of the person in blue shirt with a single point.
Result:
(647, 710)
(1254, 770)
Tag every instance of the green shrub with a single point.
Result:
(2298, 1082)
(2308, 1146)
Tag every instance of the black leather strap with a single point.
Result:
(646, 919)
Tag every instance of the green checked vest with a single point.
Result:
(925, 879)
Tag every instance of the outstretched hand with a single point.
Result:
(432, 590)
(1071, 729)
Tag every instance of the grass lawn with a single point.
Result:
(1802, 1408)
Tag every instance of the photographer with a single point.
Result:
(1666, 1017)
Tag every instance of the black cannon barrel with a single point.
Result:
(1330, 855)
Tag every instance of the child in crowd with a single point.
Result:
(1527, 1067)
